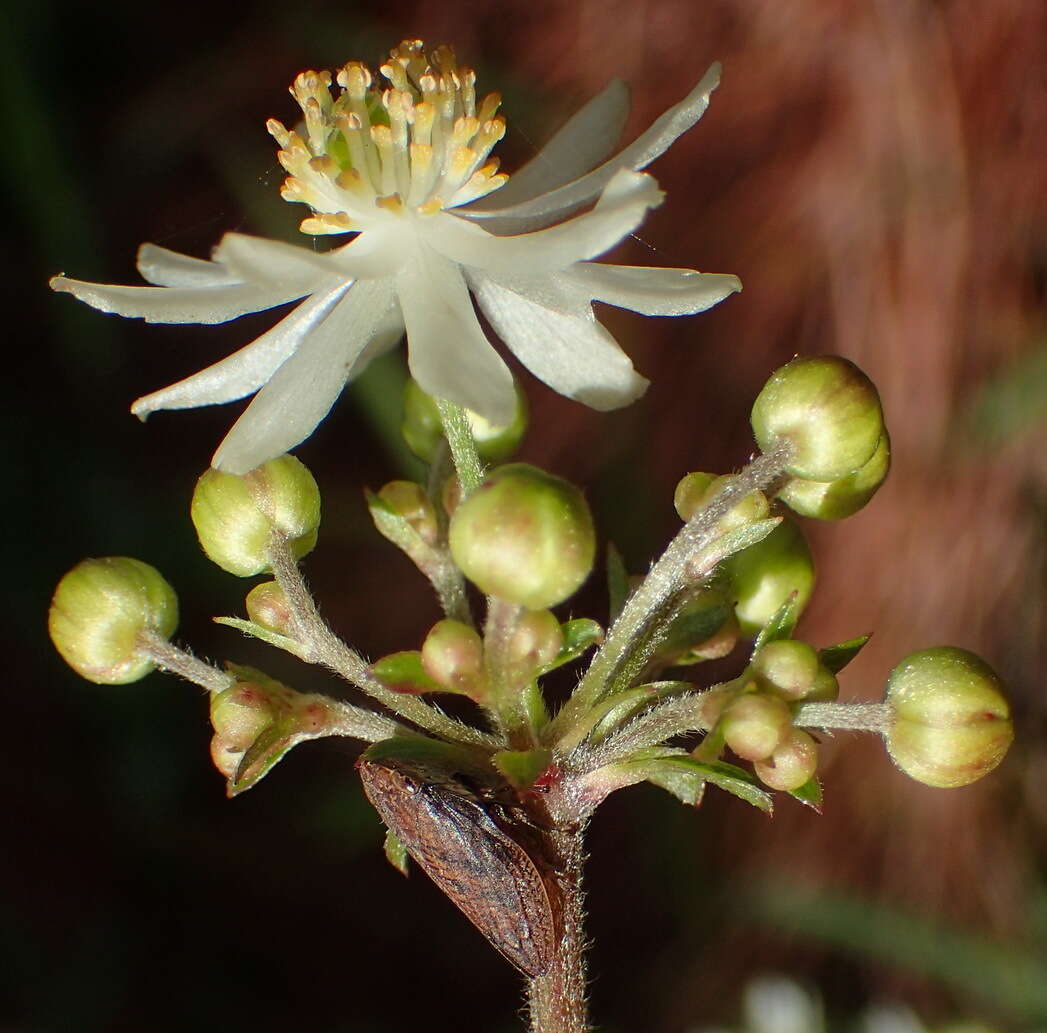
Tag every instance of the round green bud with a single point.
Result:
(691, 498)
(453, 656)
(524, 536)
(834, 500)
(764, 576)
(99, 610)
(792, 763)
(690, 493)
(423, 430)
(267, 606)
(535, 642)
(236, 515)
(825, 688)
(951, 722)
(826, 409)
(787, 667)
(240, 714)
(410, 501)
(754, 725)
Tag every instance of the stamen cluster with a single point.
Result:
(420, 144)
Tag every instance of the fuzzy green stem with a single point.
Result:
(168, 657)
(505, 695)
(668, 575)
(463, 447)
(859, 717)
(324, 647)
(556, 999)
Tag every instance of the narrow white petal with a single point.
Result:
(301, 392)
(563, 346)
(585, 139)
(654, 292)
(180, 304)
(259, 260)
(555, 204)
(170, 269)
(447, 351)
(246, 370)
(620, 210)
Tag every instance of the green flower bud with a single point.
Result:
(827, 410)
(235, 516)
(535, 643)
(423, 430)
(755, 724)
(267, 606)
(410, 501)
(787, 667)
(834, 500)
(698, 490)
(825, 688)
(792, 763)
(763, 576)
(453, 656)
(951, 722)
(524, 536)
(99, 610)
(703, 630)
(240, 714)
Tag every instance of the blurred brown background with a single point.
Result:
(877, 176)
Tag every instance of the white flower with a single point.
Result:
(395, 166)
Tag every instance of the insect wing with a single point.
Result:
(488, 875)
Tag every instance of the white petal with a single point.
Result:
(259, 260)
(563, 345)
(641, 152)
(447, 351)
(300, 394)
(170, 269)
(586, 139)
(180, 304)
(620, 210)
(246, 370)
(654, 292)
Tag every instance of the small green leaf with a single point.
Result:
(780, 626)
(617, 583)
(257, 631)
(578, 636)
(810, 793)
(703, 562)
(425, 754)
(403, 672)
(837, 657)
(522, 767)
(396, 853)
(724, 776)
(260, 758)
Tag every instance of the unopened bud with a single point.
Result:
(754, 725)
(704, 629)
(268, 607)
(690, 493)
(951, 721)
(791, 764)
(524, 536)
(690, 498)
(240, 714)
(453, 656)
(423, 430)
(826, 410)
(765, 575)
(236, 515)
(535, 642)
(99, 611)
(835, 500)
(787, 667)
(409, 500)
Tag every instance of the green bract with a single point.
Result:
(951, 722)
(524, 536)
(236, 515)
(99, 611)
(826, 410)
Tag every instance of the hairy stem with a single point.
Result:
(506, 695)
(463, 447)
(168, 657)
(324, 647)
(556, 999)
(860, 717)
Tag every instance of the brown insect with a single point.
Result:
(461, 842)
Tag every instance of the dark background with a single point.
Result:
(875, 173)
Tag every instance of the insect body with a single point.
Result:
(456, 840)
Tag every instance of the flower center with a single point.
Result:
(419, 144)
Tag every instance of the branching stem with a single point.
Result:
(169, 657)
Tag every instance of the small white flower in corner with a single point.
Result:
(405, 167)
